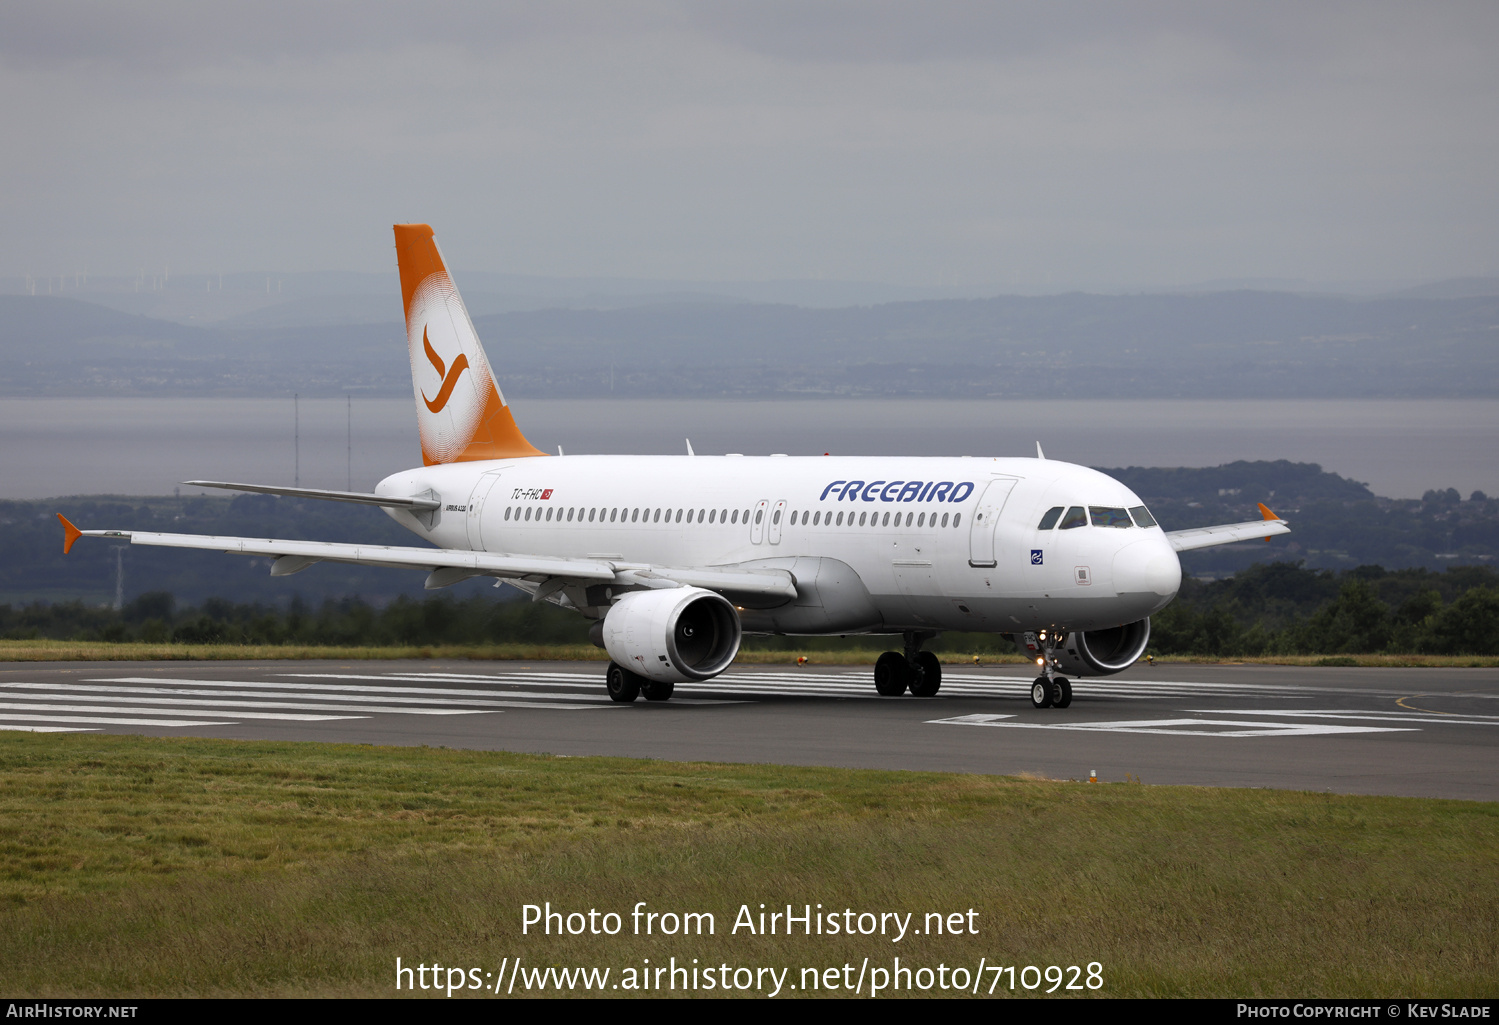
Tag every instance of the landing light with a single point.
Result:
(1040, 661)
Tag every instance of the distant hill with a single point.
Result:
(1231, 344)
(1452, 288)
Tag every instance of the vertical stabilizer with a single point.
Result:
(459, 408)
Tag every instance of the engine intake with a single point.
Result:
(676, 633)
(1104, 652)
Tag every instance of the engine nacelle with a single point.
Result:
(673, 633)
(1095, 652)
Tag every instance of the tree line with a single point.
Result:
(1267, 609)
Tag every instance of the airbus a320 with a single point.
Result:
(675, 558)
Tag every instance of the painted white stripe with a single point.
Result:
(523, 699)
(275, 700)
(1176, 727)
(47, 729)
(1372, 716)
(325, 690)
(114, 722)
(38, 707)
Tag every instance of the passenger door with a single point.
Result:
(475, 512)
(985, 518)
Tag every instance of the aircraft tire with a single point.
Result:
(928, 676)
(1041, 692)
(657, 690)
(1061, 692)
(891, 674)
(623, 686)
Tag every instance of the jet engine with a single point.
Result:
(1103, 652)
(1093, 652)
(672, 634)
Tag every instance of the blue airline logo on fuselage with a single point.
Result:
(896, 491)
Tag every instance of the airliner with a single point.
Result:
(675, 558)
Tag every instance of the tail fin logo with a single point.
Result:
(449, 375)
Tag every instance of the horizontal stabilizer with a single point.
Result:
(417, 504)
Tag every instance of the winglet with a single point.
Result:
(1267, 514)
(70, 534)
(1039, 453)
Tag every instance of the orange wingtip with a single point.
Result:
(1267, 514)
(70, 534)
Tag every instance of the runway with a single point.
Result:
(1408, 732)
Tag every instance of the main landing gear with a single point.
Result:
(625, 686)
(915, 670)
(1050, 689)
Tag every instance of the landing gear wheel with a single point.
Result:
(891, 674)
(1041, 692)
(928, 676)
(657, 690)
(1061, 692)
(622, 685)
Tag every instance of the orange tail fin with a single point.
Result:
(460, 410)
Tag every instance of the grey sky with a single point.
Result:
(982, 145)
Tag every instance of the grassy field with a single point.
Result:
(136, 866)
(101, 651)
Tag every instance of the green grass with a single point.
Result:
(156, 867)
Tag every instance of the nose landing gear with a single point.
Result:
(1050, 690)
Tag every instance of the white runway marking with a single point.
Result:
(1373, 715)
(47, 729)
(113, 722)
(127, 710)
(1176, 727)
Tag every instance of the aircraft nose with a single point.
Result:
(1149, 565)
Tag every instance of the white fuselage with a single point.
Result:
(934, 543)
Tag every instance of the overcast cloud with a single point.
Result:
(987, 146)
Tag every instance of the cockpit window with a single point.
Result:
(1142, 516)
(1075, 517)
(1105, 517)
(1050, 519)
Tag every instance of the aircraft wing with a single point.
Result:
(450, 565)
(1228, 533)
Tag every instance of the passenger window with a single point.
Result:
(759, 515)
(956, 517)
(612, 514)
(1104, 516)
(840, 520)
(549, 516)
(921, 520)
(1050, 519)
(944, 519)
(1075, 517)
(1142, 516)
(777, 517)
